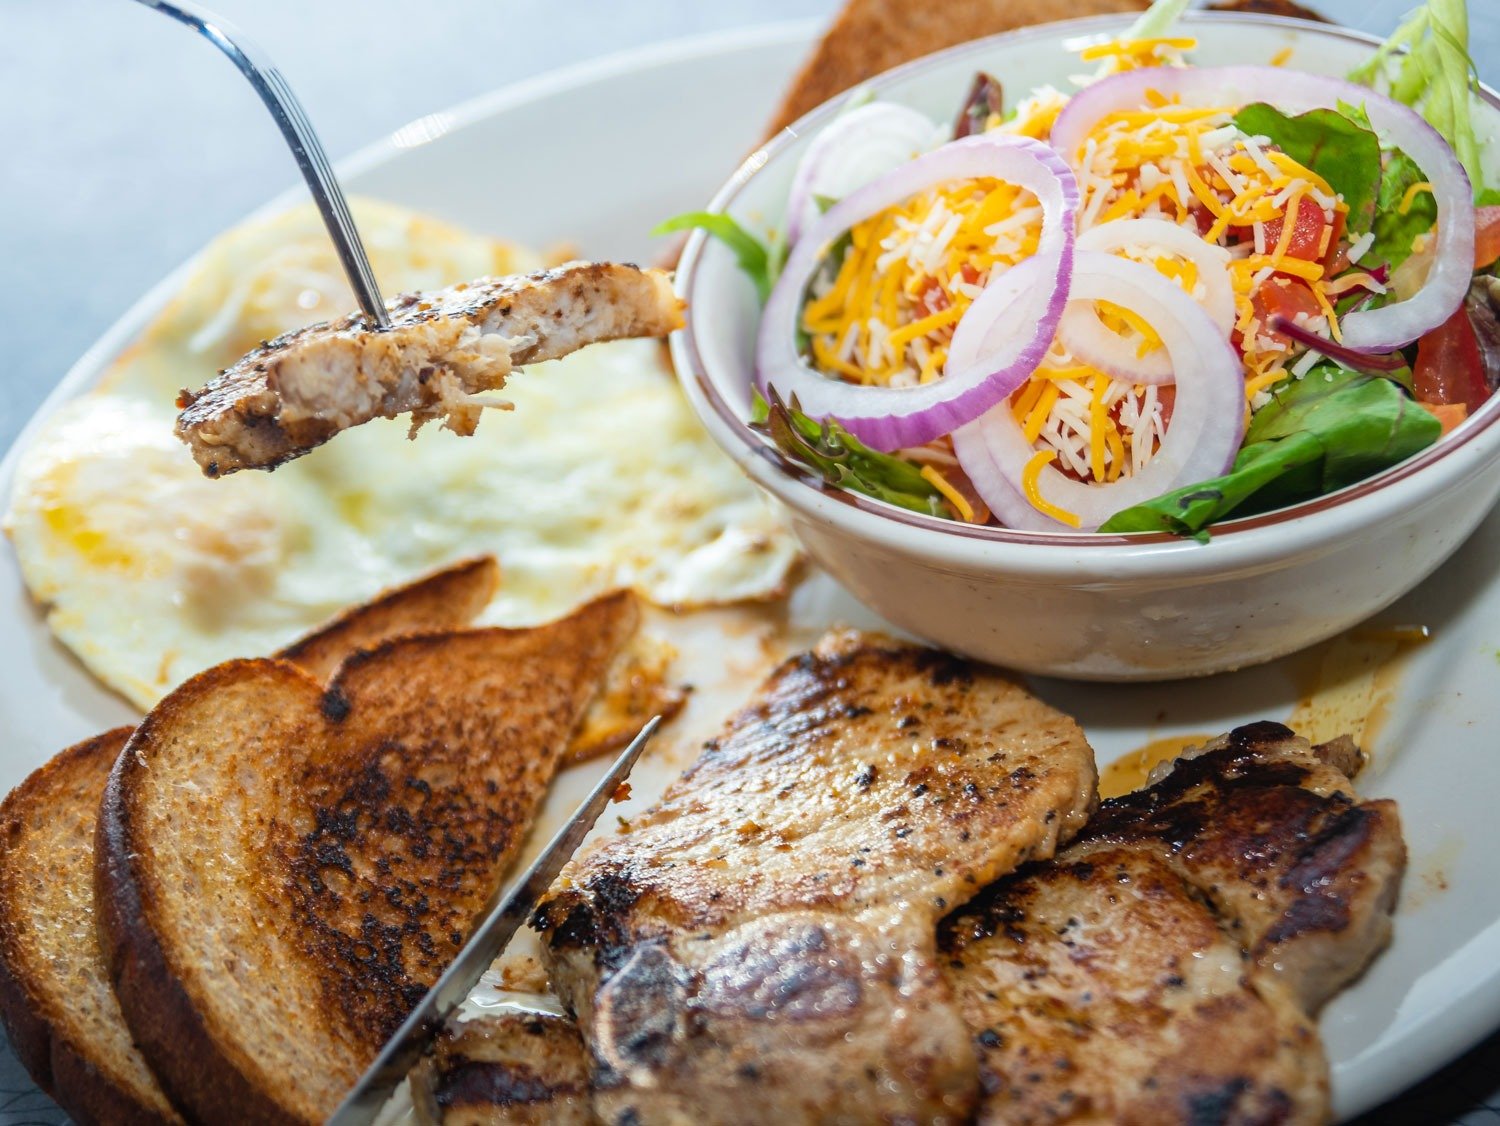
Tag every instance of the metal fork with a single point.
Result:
(298, 131)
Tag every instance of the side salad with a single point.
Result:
(1175, 295)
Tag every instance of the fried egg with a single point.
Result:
(599, 477)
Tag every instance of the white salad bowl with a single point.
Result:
(1087, 605)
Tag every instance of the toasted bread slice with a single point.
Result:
(871, 36)
(444, 600)
(636, 689)
(282, 871)
(1287, 8)
(55, 998)
(59, 1010)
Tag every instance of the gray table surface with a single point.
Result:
(131, 146)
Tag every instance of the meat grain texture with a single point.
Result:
(760, 945)
(1169, 964)
(296, 392)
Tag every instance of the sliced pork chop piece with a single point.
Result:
(509, 1066)
(1167, 966)
(509, 1056)
(295, 392)
(758, 947)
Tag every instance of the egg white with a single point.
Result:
(600, 477)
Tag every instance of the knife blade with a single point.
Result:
(500, 924)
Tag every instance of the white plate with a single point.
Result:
(678, 118)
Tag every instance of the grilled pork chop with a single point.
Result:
(1167, 965)
(299, 390)
(759, 946)
(512, 1067)
(508, 1057)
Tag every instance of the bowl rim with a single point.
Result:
(693, 374)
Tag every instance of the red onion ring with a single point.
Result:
(1084, 335)
(1201, 442)
(888, 418)
(1359, 361)
(1373, 330)
(854, 149)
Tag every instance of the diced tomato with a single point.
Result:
(1166, 395)
(1333, 252)
(1307, 232)
(1449, 367)
(1448, 415)
(965, 487)
(934, 298)
(1486, 236)
(1202, 216)
(1283, 297)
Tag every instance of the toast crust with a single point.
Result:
(337, 900)
(78, 1053)
(444, 600)
(162, 1017)
(63, 1019)
(868, 37)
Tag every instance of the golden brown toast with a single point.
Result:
(871, 36)
(55, 998)
(281, 871)
(59, 1010)
(1287, 8)
(447, 599)
(636, 689)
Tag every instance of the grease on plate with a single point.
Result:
(1131, 770)
(1351, 683)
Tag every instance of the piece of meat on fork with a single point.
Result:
(442, 350)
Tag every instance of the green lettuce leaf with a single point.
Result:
(1330, 429)
(1435, 74)
(1357, 114)
(1157, 20)
(1338, 148)
(762, 262)
(843, 460)
(1395, 232)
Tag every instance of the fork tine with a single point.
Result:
(295, 127)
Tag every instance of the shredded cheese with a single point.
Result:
(1098, 423)
(1029, 482)
(1038, 415)
(1411, 195)
(959, 502)
(886, 313)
